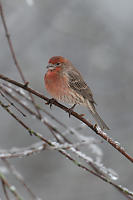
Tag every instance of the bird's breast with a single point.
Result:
(55, 84)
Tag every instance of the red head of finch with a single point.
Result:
(64, 83)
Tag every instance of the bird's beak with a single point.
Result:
(50, 66)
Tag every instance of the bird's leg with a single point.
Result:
(69, 110)
(95, 126)
(50, 102)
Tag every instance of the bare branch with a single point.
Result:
(14, 56)
(11, 188)
(4, 189)
(23, 152)
(12, 104)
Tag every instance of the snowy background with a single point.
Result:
(97, 36)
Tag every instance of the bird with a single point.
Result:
(65, 83)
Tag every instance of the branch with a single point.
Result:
(123, 190)
(76, 115)
(12, 104)
(4, 189)
(11, 188)
(23, 152)
(14, 55)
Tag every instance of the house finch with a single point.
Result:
(64, 83)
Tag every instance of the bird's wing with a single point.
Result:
(77, 83)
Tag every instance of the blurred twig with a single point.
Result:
(4, 189)
(18, 176)
(12, 104)
(23, 152)
(11, 188)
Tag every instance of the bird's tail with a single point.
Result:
(96, 116)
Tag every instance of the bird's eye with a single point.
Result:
(58, 63)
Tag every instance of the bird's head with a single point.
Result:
(57, 62)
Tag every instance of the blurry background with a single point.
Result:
(97, 36)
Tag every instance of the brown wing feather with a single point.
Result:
(77, 83)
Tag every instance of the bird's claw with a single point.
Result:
(95, 126)
(50, 102)
(26, 84)
(70, 110)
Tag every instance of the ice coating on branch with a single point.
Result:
(4, 170)
(41, 147)
(12, 188)
(82, 155)
(126, 190)
(117, 143)
(21, 91)
(113, 175)
(9, 90)
(97, 151)
(44, 119)
(110, 173)
(24, 102)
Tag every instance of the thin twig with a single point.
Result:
(23, 152)
(11, 188)
(12, 104)
(14, 55)
(4, 189)
(31, 132)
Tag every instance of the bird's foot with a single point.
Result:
(70, 110)
(95, 126)
(50, 102)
